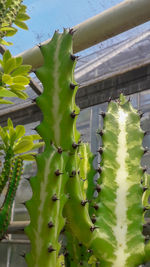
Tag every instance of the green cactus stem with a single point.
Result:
(4, 177)
(118, 208)
(58, 130)
(5, 210)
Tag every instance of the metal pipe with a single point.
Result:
(120, 18)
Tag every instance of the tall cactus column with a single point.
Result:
(58, 130)
(118, 207)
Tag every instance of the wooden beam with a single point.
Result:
(120, 18)
(133, 81)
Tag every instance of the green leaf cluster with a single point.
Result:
(14, 79)
(12, 12)
(18, 141)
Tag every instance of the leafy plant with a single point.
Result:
(14, 78)
(12, 12)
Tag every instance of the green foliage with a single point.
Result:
(14, 78)
(12, 12)
(18, 141)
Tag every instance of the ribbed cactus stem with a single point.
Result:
(5, 210)
(58, 130)
(118, 207)
(4, 177)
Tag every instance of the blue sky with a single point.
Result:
(49, 15)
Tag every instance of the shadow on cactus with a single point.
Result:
(15, 147)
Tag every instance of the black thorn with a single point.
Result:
(66, 253)
(81, 263)
(109, 99)
(50, 225)
(72, 31)
(23, 203)
(141, 115)
(100, 132)
(80, 244)
(63, 230)
(78, 172)
(98, 188)
(144, 188)
(51, 249)
(92, 228)
(39, 45)
(83, 202)
(95, 206)
(57, 172)
(99, 170)
(145, 208)
(144, 169)
(100, 150)
(73, 114)
(73, 173)
(33, 100)
(145, 150)
(103, 114)
(74, 145)
(90, 251)
(93, 219)
(59, 150)
(72, 85)
(22, 255)
(73, 57)
(145, 133)
(54, 197)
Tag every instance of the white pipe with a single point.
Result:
(120, 18)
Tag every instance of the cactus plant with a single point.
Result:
(58, 130)
(14, 147)
(119, 208)
(58, 191)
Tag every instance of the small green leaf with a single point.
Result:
(21, 70)
(38, 145)
(20, 94)
(7, 93)
(24, 145)
(10, 123)
(6, 56)
(20, 131)
(6, 78)
(4, 101)
(22, 16)
(21, 24)
(29, 156)
(21, 80)
(22, 9)
(36, 137)
(3, 42)
(16, 87)
(18, 61)
(11, 33)
(9, 65)
(12, 134)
